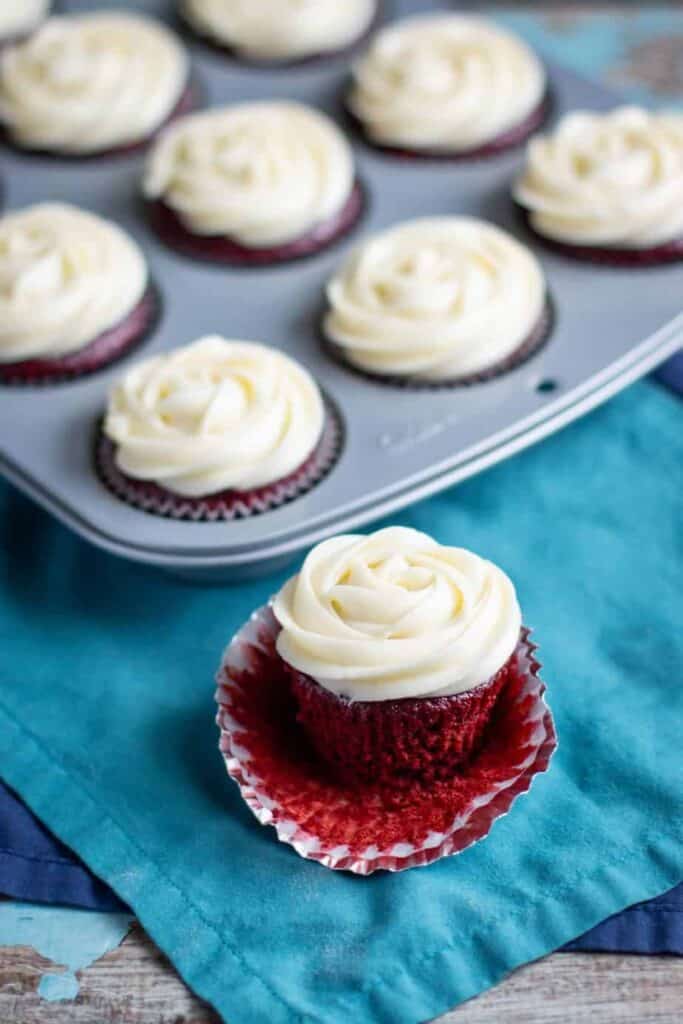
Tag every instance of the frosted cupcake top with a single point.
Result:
(87, 83)
(612, 179)
(395, 614)
(259, 173)
(20, 16)
(280, 29)
(66, 276)
(444, 81)
(214, 415)
(434, 299)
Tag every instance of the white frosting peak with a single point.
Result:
(449, 81)
(612, 179)
(87, 83)
(435, 299)
(214, 415)
(66, 276)
(394, 615)
(281, 29)
(20, 16)
(259, 173)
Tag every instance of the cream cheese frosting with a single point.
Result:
(445, 82)
(259, 173)
(214, 415)
(280, 29)
(434, 299)
(395, 614)
(91, 82)
(66, 276)
(20, 16)
(613, 179)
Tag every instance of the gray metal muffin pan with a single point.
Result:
(611, 327)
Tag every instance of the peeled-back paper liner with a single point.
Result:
(364, 829)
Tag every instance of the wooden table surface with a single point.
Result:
(639, 49)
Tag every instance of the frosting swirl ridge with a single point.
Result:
(21, 16)
(612, 179)
(214, 415)
(451, 82)
(66, 276)
(260, 173)
(434, 298)
(281, 29)
(395, 614)
(91, 82)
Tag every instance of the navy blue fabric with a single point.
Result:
(671, 373)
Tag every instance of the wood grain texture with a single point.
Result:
(135, 984)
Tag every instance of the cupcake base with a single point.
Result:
(368, 827)
(507, 140)
(395, 742)
(221, 249)
(655, 256)
(223, 505)
(103, 351)
(529, 348)
(189, 100)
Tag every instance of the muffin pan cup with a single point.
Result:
(611, 325)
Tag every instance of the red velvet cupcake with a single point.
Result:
(75, 294)
(252, 184)
(216, 430)
(84, 113)
(414, 92)
(397, 649)
(607, 187)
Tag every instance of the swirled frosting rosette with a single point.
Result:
(91, 83)
(74, 292)
(18, 17)
(398, 648)
(215, 430)
(447, 84)
(280, 30)
(254, 182)
(437, 300)
(608, 185)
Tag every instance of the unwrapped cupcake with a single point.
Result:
(252, 184)
(447, 85)
(397, 650)
(74, 294)
(436, 301)
(608, 186)
(217, 429)
(92, 84)
(280, 31)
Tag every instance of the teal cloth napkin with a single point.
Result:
(106, 730)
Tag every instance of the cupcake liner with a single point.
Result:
(106, 349)
(395, 742)
(223, 506)
(189, 100)
(522, 354)
(656, 256)
(168, 226)
(510, 139)
(365, 828)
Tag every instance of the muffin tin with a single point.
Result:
(400, 444)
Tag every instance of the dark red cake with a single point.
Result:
(221, 249)
(103, 350)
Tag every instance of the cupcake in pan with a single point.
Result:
(18, 18)
(215, 430)
(252, 184)
(91, 84)
(608, 187)
(447, 85)
(435, 302)
(74, 294)
(279, 31)
(397, 649)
